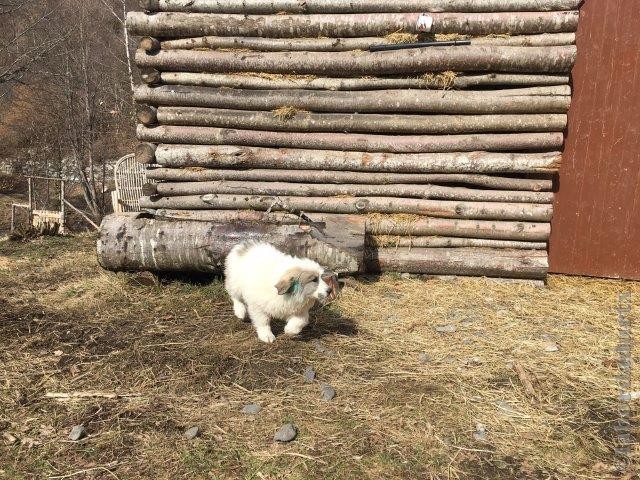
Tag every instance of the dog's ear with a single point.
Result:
(308, 276)
(286, 281)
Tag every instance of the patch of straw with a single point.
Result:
(401, 37)
(285, 113)
(444, 80)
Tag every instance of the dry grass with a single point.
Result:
(401, 37)
(285, 113)
(444, 80)
(68, 326)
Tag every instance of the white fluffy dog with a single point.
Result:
(267, 283)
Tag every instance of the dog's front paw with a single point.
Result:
(266, 336)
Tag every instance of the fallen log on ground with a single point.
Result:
(133, 242)
(460, 261)
(347, 25)
(382, 241)
(355, 6)
(291, 82)
(297, 121)
(226, 156)
(436, 192)
(378, 101)
(338, 44)
(351, 205)
(339, 177)
(352, 141)
(397, 225)
(356, 63)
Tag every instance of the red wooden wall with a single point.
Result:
(596, 224)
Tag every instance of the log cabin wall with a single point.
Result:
(596, 225)
(447, 151)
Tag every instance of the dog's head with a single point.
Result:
(308, 282)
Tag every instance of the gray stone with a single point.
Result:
(550, 347)
(321, 348)
(405, 275)
(466, 323)
(473, 361)
(251, 409)
(309, 374)
(424, 358)
(448, 328)
(327, 393)
(77, 433)
(286, 433)
(192, 433)
(481, 432)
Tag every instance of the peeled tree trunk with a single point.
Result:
(365, 123)
(286, 82)
(382, 241)
(352, 141)
(400, 226)
(460, 261)
(225, 156)
(137, 242)
(434, 208)
(380, 101)
(355, 6)
(338, 44)
(339, 177)
(471, 58)
(347, 25)
(167, 189)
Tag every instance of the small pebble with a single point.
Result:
(466, 323)
(424, 358)
(473, 361)
(77, 433)
(309, 374)
(448, 328)
(481, 432)
(405, 275)
(251, 409)
(550, 347)
(192, 433)
(321, 348)
(327, 393)
(286, 433)
(9, 439)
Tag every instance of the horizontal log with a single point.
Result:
(347, 25)
(451, 242)
(289, 82)
(133, 242)
(297, 121)
(436, 208)
(170, 189)
(226, 156)
(460, 261)
(379, 101)
(355, 6)
(352, 141)
(339, 44)
(383, 224)
(339, 177)
(356, 63)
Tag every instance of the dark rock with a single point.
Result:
(286, 433)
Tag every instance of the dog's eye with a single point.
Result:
(315, 279)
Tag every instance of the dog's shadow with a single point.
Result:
(323, 322)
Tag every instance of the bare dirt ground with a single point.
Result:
(409, 397)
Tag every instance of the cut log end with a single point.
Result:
(150, 76)
(149, 5)
(146, 153)
(147, 115)
(150, 189)
(150, 45)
